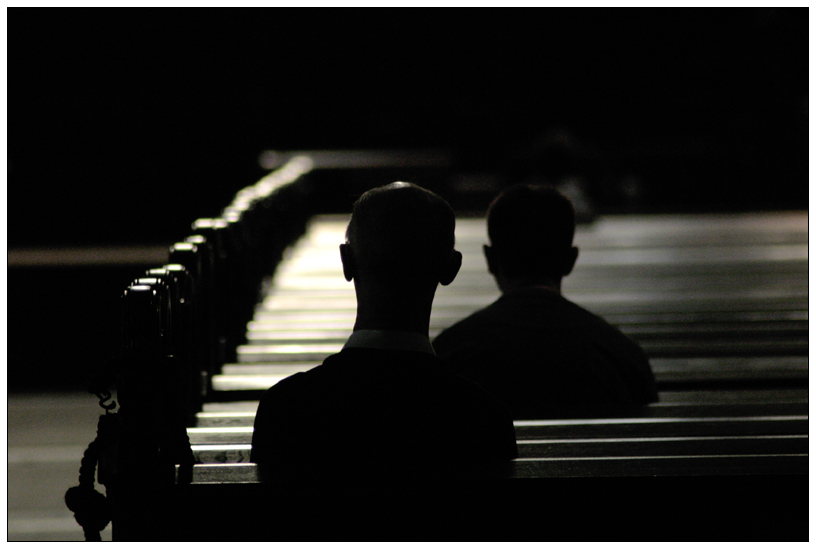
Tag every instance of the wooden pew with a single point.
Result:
(587, 428)
(263, 366)
(679, 498)
(682, 298)
(747, 408)
(735, 437)
(676, 446)
(644, 508)
(582, 466)
(685, 472)
(701, 403)
(714, 301)
(174, 337)
(248, 380)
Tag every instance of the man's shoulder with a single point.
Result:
(355, 365)
(530, 318)
(506, 315)
(392, 383)
(517, 306)
(308, 381)
(469, 326)
(398, 372)
(354, 361)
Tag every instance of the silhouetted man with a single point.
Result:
(386, 406)
(541, 354)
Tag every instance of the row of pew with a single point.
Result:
(181, 322)
(719, 303)
(193, 309)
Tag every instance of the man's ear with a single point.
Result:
(347, 257)
(570, 259)
(490, 257)
(451, 268)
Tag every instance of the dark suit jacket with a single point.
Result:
(546, 357)
(368, 413)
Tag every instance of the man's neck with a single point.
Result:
(393, 316)
(390, 340)
(391, 322)
(553, 285)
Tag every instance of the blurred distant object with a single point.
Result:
(85, 257)
(630, 187)
(361, 159)
(557, 158)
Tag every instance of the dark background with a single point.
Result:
(124, 125)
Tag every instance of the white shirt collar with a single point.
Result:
(390, 340)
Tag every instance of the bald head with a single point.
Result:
(400, 232)
(399, 248)
(531, 229)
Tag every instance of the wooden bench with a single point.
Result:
(692, 464)
(717, 303)
(693, 498)
(246, 381)
(687, 307)
(628, 447)
(706, 403)
(587, 428)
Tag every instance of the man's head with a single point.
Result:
(531, 230)
(400, 236)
